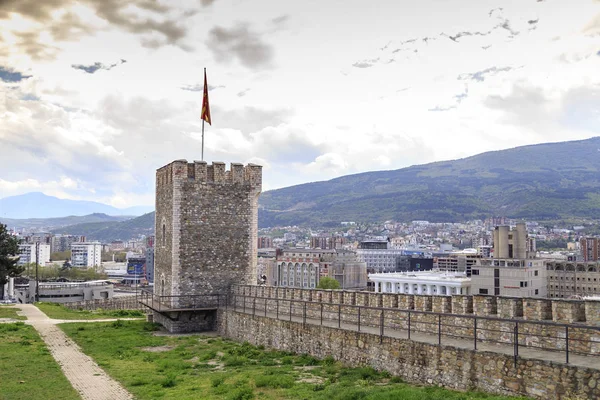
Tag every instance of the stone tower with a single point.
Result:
(206, 227)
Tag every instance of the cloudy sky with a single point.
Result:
(97, 94)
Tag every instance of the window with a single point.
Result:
(483, 291)
(535, 273)
(475, 272)
(536, 291)
(523, 283)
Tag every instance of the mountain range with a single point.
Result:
(39, 205)
(47, 224)
(544, 181)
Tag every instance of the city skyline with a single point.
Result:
(98, 94)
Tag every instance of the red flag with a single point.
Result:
(205, 107)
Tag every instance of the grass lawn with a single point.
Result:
(204, 367)
(10, 312)
(27, 369)
(57, 311)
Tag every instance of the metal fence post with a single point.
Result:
(381, 320)
(244, 304)
(266, 300)
(516, 339)
(439, 329)
(359, 319)
(409, 325)
(339, 316)
(277, 308)
(475, 333)
(321, 314)
(304, 314)
(290, 310)
(567, 342)
(253, 306)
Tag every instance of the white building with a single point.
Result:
(65, 292)
(86, 254)
(509, 277)
(378, 255)
(28, 253)
(423, 282)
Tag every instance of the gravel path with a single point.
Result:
(85, 375)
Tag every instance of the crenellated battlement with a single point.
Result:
(200, 171)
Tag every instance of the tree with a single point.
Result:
(9, 251)
(328, 283)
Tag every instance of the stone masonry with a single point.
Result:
(206, 228)
(417, 362)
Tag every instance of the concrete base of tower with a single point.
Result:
(186, 321)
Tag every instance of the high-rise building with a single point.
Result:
(265, 242)
(589, 248)
(86, 254)
(513, 243)
(61, 243)
(34, 252)
(327, 242)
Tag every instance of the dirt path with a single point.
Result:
(85, 375)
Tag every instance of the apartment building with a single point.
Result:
(573, 278)
(86, 254)
(34, 253)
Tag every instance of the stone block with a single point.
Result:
(361, 299)
(510, 307)
(389, 300)
(406, 301)
(537, 309)
(592, 312)
(568, 311)
(375, 300)
(485, 305)
(348, 298)
(423, 302)
(441, 304)
(462, 304)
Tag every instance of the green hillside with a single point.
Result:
(109, 231)
(553, 180)
(53, 223)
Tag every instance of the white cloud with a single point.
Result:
(101, 136)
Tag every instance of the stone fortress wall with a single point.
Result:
(417, 362)
(541, 322)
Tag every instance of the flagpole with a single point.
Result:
(205, 116)
(203, 119)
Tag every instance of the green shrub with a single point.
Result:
(217, 380)
(328, 283)
(169, 381)
(244, 393)
(117, 324)
(151, 326)
(329, 360)
(235, 361)
(305, 359)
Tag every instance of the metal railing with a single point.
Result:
(182, 302)
(572, 339)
